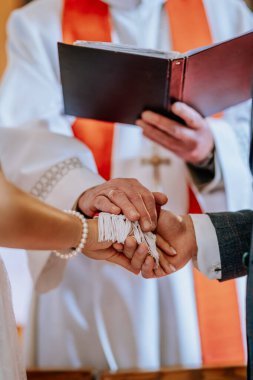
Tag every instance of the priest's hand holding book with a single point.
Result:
(193, 142)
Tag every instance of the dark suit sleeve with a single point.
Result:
(234, 230)
(202, 174)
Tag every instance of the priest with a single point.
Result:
(84, 331)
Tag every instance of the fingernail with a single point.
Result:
(148, 115)
(153, 226)
(134, 214)
(173, 269)
(143, 249)
(147, 225)
(177, 106)
(172, 251)
(115, 210)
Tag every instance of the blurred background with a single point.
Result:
(6, 6)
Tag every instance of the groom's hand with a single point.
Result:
(139, 255)
(123, 195)
(177, 232)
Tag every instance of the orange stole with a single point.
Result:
(217, 304)
(90, 20)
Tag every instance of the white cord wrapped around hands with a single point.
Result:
(117, 228)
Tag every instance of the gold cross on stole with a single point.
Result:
(156, 161)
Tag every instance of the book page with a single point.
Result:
(129, 49)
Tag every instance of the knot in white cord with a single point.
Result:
(117, 228)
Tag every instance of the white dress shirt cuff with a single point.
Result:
(208, 255)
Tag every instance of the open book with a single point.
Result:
(116, 83)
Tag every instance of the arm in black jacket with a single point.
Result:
(234, 233)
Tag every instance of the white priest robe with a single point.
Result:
(100, 315)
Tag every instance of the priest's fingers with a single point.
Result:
(194, 146)
(139, 256)
(91, 205)
(144, 201)
(182, 145)
(191, 117)
(102, 203)
(126, 195)
(158, 136)
(140, 197)
(130, 246)
(173, 132)
(165, 246)
(148, 205)
(156, 119)
(120, 199)
(160, 198)
(133, 207)
(162, 123)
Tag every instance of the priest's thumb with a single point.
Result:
(160, 198)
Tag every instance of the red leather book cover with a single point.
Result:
(117, 84)
(219, 76)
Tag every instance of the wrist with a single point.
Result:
(82, 202)
(207, 161)
(92, 243)
(75, 231)
(191, 242)
(203, 154)
(92, 239)
(80, 229)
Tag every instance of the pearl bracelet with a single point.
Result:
(68, 254)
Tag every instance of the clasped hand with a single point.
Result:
(131, 198)
(176, 240)
(176, 244)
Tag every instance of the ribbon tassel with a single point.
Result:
(117, 228)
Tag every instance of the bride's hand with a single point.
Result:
(113, 252)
